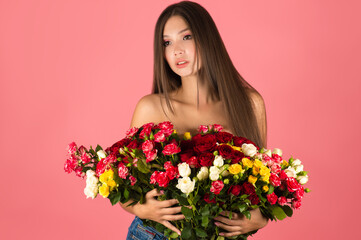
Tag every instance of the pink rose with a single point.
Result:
(147, 128)
(163, 179)
(276, 168)
(299, 192)
(171, 149)
(167, 165)
(130, 132)
(217, 186)
(292, 184)
(159, 137)
(193, 162)
(72, 148)
(296, 203)
(274, 180)
(123, 171)
(147, 146)
(153, 177)
(71, 164)
(283, 176)
(203, 129)
(151, 155)
(172, 172)
(85, 158)
(133, 180)
(272, 198)
(217, 127)
(135, 160)
(282, 200)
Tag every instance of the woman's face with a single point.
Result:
(179, 47)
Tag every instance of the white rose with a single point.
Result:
(296, 162)
(302, 179)
(277, 151)
(298, 168)
(249, 149)
(90, 173)
(203, 173)
(91, 191)
(290, 171)
(268, 153)
(184, 169)
(214, 173)
(101, 154)
(186, 185)
(218, 161)
(91, 180)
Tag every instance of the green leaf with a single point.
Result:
(205, 221)
(288, 210)
(188, 213)
(174, 235)
(126, 193)
(114, 197)
(98, 148)
(142, 166)
(187, 231)
(182, 200)
(205, 211)
(247, 214)
(200, 232)
(242, 208)
(278, 213)
(271, 189)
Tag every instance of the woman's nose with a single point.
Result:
(178, 50)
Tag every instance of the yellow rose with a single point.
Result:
(264, 171)
(255, 170)
(247, 163)
(187, 136)
(252, 179)
(265, 188)
(265, 178)
(106, 176)
(104, 190)
(236, 148)
(284, 164)
(235, 169)
(258, 163)
(112, 184)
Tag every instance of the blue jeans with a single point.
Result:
(137, 231)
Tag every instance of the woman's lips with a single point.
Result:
(182, 65)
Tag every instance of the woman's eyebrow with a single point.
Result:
(179, 32)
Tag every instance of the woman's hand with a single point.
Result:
(159, 211)
(239, 224)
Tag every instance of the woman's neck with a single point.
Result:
(188, 93)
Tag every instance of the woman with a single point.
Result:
(195, 83)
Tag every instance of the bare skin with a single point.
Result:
(187, 116)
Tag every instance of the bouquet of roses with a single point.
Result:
(208, 173)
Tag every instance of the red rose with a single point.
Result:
(116, 146)
(217, 127)
(283, 176)
(223, 137)
(299, 192)
(276, 158)
(85, 158)
(123, 171)
(159, 137)
(187, 145)
(276, 168)
(151, 155)
(206, 199)
(147, 146)
(292, 184)
(131, 131)
(217, 187)
(166, 128)
(206, 159)
(172, 171)
(282, 200)
(225, 151)
(296, 203)
(71, 164)
(236, 157)
(235, 190)
(153, 178)
(146, 130)
(171, 149)
(205, 143)
(167, 165)
(185, 155)
(239, 141)
(163, 179)
(133, 180)
(193, 162)
(272, 198)
(133, 144)
(274, 180)
(72, 148)
(254, 199)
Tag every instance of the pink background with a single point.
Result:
(74, 70)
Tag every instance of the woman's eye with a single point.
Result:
(188, 36)
(165, 43)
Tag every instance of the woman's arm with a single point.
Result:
(148, 110)
(239, 224)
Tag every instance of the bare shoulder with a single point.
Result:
(148, 109)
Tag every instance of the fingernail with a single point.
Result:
(161, 192)
(221, 234)
(217, 224)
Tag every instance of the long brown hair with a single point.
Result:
(224, 81)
